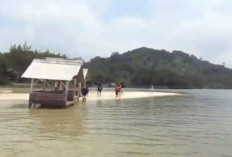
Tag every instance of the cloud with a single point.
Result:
(90, 28)
(56, 25)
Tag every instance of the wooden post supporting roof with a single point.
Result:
(44, 85)
(84, 83)
(32, 81)
(79, 88)
(66, 89)
(75, 86)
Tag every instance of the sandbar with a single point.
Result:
(92, 96)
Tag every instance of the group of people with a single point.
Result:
(119, 87)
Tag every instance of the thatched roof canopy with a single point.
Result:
(53, 69)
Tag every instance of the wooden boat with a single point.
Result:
(55, 82)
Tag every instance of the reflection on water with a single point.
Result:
(197, 124)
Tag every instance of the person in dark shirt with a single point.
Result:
(84, 92)
(99, 88)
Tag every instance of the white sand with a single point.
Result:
(5, 91)
(106, 95)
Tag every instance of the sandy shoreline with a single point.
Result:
(106, 95)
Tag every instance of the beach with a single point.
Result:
(92, 96)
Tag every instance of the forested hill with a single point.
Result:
(140, 67)
(146, 66)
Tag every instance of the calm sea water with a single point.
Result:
(198, 124)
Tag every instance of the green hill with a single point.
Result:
(140, 67)
(146, 66)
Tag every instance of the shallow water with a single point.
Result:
(197, 124)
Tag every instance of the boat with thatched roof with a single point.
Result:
(55, 82)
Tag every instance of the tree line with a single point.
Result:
(139, 67)
(16, 61)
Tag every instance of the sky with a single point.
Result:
(89, 28)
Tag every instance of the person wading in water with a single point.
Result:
(117, 89)
(122, 84)
(84, 92)
(99, 88)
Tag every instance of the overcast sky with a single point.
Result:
(89, 28)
